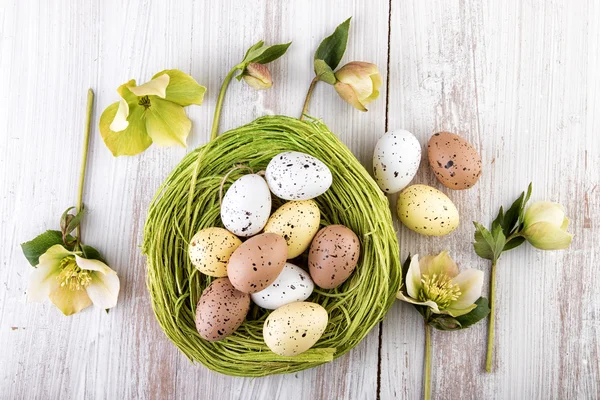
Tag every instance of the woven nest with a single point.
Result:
(189, 201)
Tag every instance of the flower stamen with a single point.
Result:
(440, 289)
(72, 276)
(145, 102)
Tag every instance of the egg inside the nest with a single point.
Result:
(292, 284)
(246, 205)
(293, 175)
(396, 159)
(453, 160)
(210, 250)
(427, 211)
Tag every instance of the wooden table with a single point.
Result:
(519, 79)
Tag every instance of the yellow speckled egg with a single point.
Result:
(294, 328)
(210, 249)
(297, 222)
(426, 210)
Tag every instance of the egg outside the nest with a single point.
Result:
(453, 160)
(396, 159)
(427, 211)
(293, 284)
(246, 206)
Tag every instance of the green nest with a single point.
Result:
(188, 201)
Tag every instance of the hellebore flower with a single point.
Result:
(72, 282)
(358, 83)
(152, 112)
(545, 226)
(435, 282)
(257, 76)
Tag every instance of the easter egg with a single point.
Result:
(221, 310)
(396, 159)
(292, 284)
(426, 210)
(453, 160)
(333, 256)
(257, 262)
(294, 328)
(297, 176)
(297, 222)
(246, 206)
(210, 249)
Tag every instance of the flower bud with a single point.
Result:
(358, 83)
(257, 76)
(545, 226)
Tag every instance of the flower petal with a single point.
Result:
(347, 93)
(565, 224)
(429, 303)
(182, 88)
(442, 264)
(546, 236)
(470, 283)
(544, 211)
(104, 289)
(93, 265)
(120, 123)
(457, 313)
(156, 87)
(166, 123)
(70, 301)
(413, 277)
(128, 142)
(42, 281)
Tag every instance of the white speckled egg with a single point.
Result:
(396, 160)
(292, 284)
(210, 250)
(297, 176)
(246, 206)
(297, 222)
(426, 210)
(294, 328)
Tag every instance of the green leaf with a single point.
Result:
(74, 222)
(499, 219)
(130, 141)
(511, 221)
(324, 72)
(477, 314)
(182, 88)
(167, 124)
(39, 245)
(92, 254)
(514, 242)
(255, 46)
(499, 241)
(483, 240)
(65, 218)
(332, 48)
(271, 53)
(444, 322)
(527, 197)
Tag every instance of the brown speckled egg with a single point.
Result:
(333, 256)
(221, 310)
(257, 262)
(453, 160)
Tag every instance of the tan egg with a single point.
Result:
(210, 249)
(221, 310)
(333, 255)
(426, 210)
(257, 262)
(453, 160)
(297, 222)
(294, 328)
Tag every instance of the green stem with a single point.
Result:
(491, 325)
(219, 106)
(427, 378)
(86, 141)
(308, 96)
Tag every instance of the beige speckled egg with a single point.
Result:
(210, 249)
(453, 160)
(297, 222)
(294, 328)
(257, 262)
(426, 210)
(221, 310)
(333, 256)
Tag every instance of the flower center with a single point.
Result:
(440, 289)
(72, 276)
(144, 101)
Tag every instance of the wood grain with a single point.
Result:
(517, 79)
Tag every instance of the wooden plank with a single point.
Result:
(518, 80)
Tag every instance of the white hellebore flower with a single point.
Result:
(435, 282)
(72, 282)
(545, 226)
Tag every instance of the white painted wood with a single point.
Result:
(518, 80)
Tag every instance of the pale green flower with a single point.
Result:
(72, 282)
(435, 282)
(257, 76)
(152, 112)
(358, 83)
(545, 226)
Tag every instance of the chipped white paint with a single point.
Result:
(518, 79)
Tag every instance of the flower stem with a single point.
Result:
(219, 106)
(491, 325)
(86, 141)
(427, 378)
(308, 96)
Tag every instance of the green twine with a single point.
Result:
(354, 200)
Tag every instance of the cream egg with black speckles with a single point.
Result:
(297, 222)
(427, 211)
(210, 250)
(246, 206)
(297, 176)
(294, 328)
